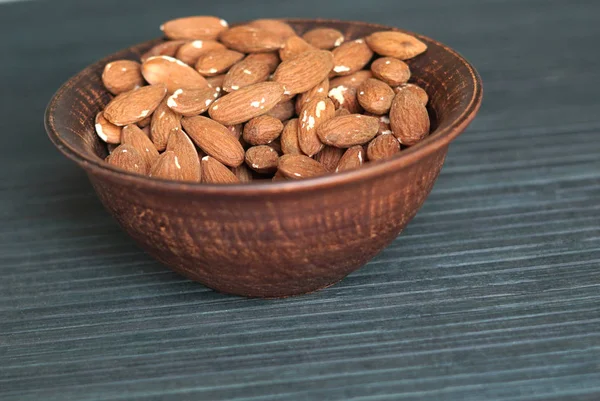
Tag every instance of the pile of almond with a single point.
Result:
(224, 105)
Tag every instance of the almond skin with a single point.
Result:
(318, 91)
(249, 39)
(191, 102)
(262, 130)
(304, 71)
(275, 26)
(164, 122)
(134, 136)
(214, 139)
(299, 166)
(283, 110)
(271, 59)
(345, 97)
(173, 73)
(324, 38)
(126, 157)
(262, 159)
(417, 90)
(197, 27)
(342, 112)
(215, 62)
(289, 138)
(352, 80)
(216, 82)
(167, 166)
(390, 70)
(384, 123)
(313, 115)
(214, 172)
(145, 122)
(329, 157)
(122, 76)
(243, 173)
(181, 145)
(246, 103)
(408, 118)
(235, 130)
(382, 147)
(293, 46)
(246, 72)
(347, 131)
(375, 96)
(168, 48)
(351, 57)
(189, 52)
(353, 158)
(133, 106)
(106, 130)
(395, 44)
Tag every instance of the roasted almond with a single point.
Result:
(384, 123)
(262, 130)
(345, 97)
(417, 90)
(318, 91)
(283, 110)
(134, 136)
(375, 96)
(329, 157)
(216, 82)
(275, 26)
(174, 73)
(197, 27)
(347, 131)
(214, 139)
(390, 70)
(191, 102)
(293, 46)
(164, 122)
(289, 138)
(262, 159)
(304, 71)
(353, 158)
(299, 166)
(122, 76)
(395, 44)
(235, 130)
(271, 59)
(214, 172)
(382, 147)
(133, 106)
(187, 156)
(276, 146)
(342, 112)
(351, 56)
(408, 118)
(246, 103)
(324, 38)
(190, 52)
(126, 157)
(313, 115)
(168, 48)
(279, 176)
(145, 122)
(249, 39)
(243, 173)
(246, 72)
(215, 62)
(106, 130)
(166, 166)
(351, 81)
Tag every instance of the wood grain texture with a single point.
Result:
(490, 293)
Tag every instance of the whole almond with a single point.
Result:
(175, 74)
(347, 131)
(133, 106)
(275, 26)
(382, 147)
(293, 46)
(300, 166)
(342, 112)
(191, 102)
(164, 122)
(351, 56)
(352, 80)
(214, 172)
(345, 97)
(215, 62)
(214, 139)
(106, 130)
(197, 27)
(304, 71)
(145, 122)
(126, 157)
(289, 138)
(270, 59)
(249, 39)
(262, 159)
(329, 157)
(246, 103)
(243, 173)
(279, 177)
(216, 82)
(384, 124)
(353, 157)
(122, 76)
(168, 48)
(262, 130)
(324, 38)
(134, 136)
(166, 166)
(417, 90)
(390, 70)
(318, 91)
(313, 115)
(146, 130)
(408, 118)
(375, 96)
(244, 73)
(276, 146)
(235, 130)
(187, 156)
(190, 52)
(395, 44)
(283, 110)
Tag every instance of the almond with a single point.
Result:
(107, 131)
(318, 91)
(126, 157)
(122, 76)
(145, 122)
(243, 173)
(324, 38)
(408, 118)
(216, 82)
(235, 130)
(353, 158)
(289, 138)
(191, 102)
(175, 74)
(133, 106)
(384, 123)
(246, 103)
(351, 57)
(262, 159)
(262, 130)
(134, 136)
(275, 26)
(197, 27)
(313, 115)
(270, 59)
(329, 157)
(283, 110)
(168, 48)
(279, 176)
(214, 139)
(345, 97)
(417, 90)
(382, 147)
(164, 122)
(215, 62)
(390, 70)
(276, 146)
(300, 166)
(249, 39)
(347, 131)
(352, 80)
(146, 131)
(214, 172)
(395, 44)
(293, 46)
(304, 71)
(167, 166)
(187, 156)
(375, 96)
(244, 73)
(190, 52)
(342, 112)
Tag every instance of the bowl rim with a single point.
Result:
(429, 145)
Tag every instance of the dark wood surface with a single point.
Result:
(491, 293)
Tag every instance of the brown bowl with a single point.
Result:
(271, 239)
